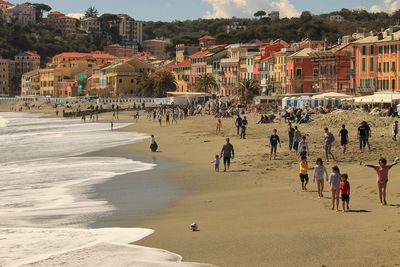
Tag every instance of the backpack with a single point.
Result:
(331, 138)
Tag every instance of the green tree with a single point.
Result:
(91, 12)
(165, 81)
(249, 88)
(39, 9)
(260, 14)
(206, 83)
(147, 85)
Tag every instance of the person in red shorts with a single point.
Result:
(345, 191)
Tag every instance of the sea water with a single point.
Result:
(45, 206)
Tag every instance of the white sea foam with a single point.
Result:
(45, 204)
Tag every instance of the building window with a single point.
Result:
(371, 64)
(363, 65)
(380, 67)
(393, 66)
(364, 50)
(120, 80)
(371, 51)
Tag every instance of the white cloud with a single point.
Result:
(76, 15)
(246, 8)
(389, 6)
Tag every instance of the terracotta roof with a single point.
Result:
(29, 54)
(207, 37)
(269, 49)
(200, 53)
(216, 46)
(184, 63)
(66, 17)
(96, 55)
(56, 13)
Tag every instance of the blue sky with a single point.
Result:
(167, 10)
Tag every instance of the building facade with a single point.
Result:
(7, 75)
(376, 62)
(157, 47)
(299, 66)
(23, 14)
(30, 83)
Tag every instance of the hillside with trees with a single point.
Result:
(48, 42)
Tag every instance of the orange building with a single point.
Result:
(376, 62)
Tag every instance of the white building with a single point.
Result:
(23, 14)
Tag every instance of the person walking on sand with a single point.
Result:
(291, 131)
(362, 135)
(227, 152)
(273, 143)
(216, 162)
(345, 191)
(219, 126)
(395, 130)
(344, 137)
(303, 147)
(112, 126)
(328, 140)
(296, 139)
(243, 128)
(334, 182)
(318, 176)
(303, 173)
(238, 124)
(160, 119)
(382, 177)
(369, 135)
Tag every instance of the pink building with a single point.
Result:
(300, 69)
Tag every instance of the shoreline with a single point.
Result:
(257, 215)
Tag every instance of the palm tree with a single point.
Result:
(147, 85)
(248, 88)
(206, 83)
(165, 82)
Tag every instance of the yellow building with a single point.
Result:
(30, 83)
(182, 75)
(7, 73)
(49, 78)
(120, 80)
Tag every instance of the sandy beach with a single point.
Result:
(256, 214)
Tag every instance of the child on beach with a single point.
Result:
(395, 130)
(296, 139)
(218, 128)
(216, 162)
(334, 181)
(345, 191)
(318, 175)
(303, 173)
(273, 142)
(303, 147)
(382, 177)
(344, 137)
(112, 126)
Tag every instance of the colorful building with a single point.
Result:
(30, 83)
(182, 72)
(67, 25)
(184, 51)
(376, 63)
(26, 61)
(331, 69)
(299, 75)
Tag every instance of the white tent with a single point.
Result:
(383, 98)
(331, 95)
